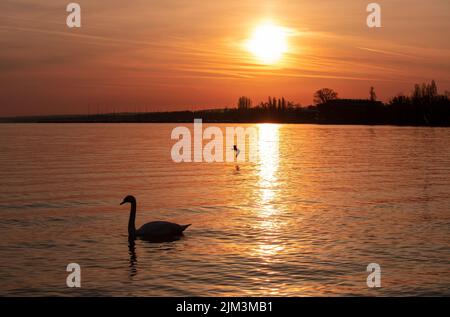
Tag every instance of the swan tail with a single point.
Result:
(185, 227)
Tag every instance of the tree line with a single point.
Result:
(424, 106)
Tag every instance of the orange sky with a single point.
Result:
(185, 54)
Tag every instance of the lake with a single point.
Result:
(306, 219)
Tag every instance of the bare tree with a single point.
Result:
(373, 95)
(432, 89)
(244, 103)
(323, 95)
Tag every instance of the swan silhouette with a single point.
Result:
(152, 231)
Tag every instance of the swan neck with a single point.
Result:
(131, 222)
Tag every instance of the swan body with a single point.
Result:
(161, 228)
(156, 230)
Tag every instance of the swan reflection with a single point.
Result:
(133, 257)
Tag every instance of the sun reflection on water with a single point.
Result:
(268, 147)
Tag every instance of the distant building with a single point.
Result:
(351, 111)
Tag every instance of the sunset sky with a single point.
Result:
(191, 54)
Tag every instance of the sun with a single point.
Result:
(268, 43)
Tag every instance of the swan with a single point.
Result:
(156, 230)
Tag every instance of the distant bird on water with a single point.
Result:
(236, 151)
(157, 230)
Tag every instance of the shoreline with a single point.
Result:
(335, 112)
(225, 122)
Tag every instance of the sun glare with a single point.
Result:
(268, 43)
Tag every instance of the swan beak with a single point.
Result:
(123, 202)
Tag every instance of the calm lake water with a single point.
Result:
(321, 203)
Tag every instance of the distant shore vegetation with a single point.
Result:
(424, 106)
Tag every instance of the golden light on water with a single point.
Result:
(268, 144)
(268, 167)
(268, 43)
(268, 147)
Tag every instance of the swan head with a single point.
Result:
(129, 199)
